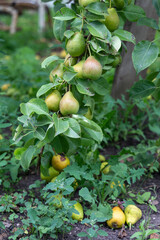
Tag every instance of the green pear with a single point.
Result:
(51, 174)
(84, 3)
(117, 61)
(68, 104)
(52, 100)
(58, 71)
(78, 69)
(112, 20)
(88, 114)
(76, 45)
(129, 2)
(78, 216)
(132, 214)
(119, 4)
(69, 61)
(92, 69)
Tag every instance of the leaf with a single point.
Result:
(102, 233)
(44, 88)
(156, 4)
(59, 28)
(144, 54)
(98, 29)
(74, 129)
(142, 89)
(65, 14)
(27, 157)
(133, 12)
(34, 106)
(85, 194)
(100, 86)
(32, 214)
(68, 34)
(149, 22)
(83, 89)
(49, 60)
(61, 126)
(68, 76)
(98, 8)
(116, 43)
(125, 35)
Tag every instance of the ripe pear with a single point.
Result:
(52, 172)
(79, 208)
(112, 20)
(60, 162)
(88, 114)
(76, 45)
(78, 69)
(119, 4)
(117, 61)
(118, 218)
(58, 71)
(68, 104)
(133, 214)
(84, 3)
(53, 100)
(92, 69)
(69, 61)
(102, 158)
(5, 86)
(105, 167)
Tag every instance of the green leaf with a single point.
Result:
(34, 106)
(32, 214)
(102, 233)
(142, 89)
(44, 88)
(82, 88)
(65, 14)
(68, 34)
(18, 152)
(98, 29)
(50, 60)
(156, 4)
(74, 129)
(125, 35)
(68, 76)
(98, 8)
(100, 86)
(133, 12)
(149, 22)
(27, 157)
(85, 194)
(144, 54)
(59, 28)
(61, 126)
(116, 43)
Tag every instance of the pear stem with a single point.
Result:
(82, 20)
(110, 4)
(130, 226)
(89, 50)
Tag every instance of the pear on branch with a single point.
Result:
(76, 45)
(84, 3)
(112, 20)
(78, 68)
(92, 69)
(58, 71)
(52, 100)
(68, 104)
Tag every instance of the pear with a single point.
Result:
(92, 69)
(60, 162)
(53, 100)
(68, 104)
(105, 167)
(79, 208)
(133, 214)
(58, 71)
(88, 114)
(119, 4)
(78, 69)
(117, 61)
(112, 20)
(69, 61)
(76, 45)
(52, 172)
(118, 218)
(129, 2)
(84, 3)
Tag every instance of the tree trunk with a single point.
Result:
(125, 74)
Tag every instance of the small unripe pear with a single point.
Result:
(52, 100)
(78, 69)
(76, 45)
(88, 114)
(84, 3)
(112, 20)
(69, 61)
(92, 69)
(68, 104)
(119, 4)
(58, 71)
(117, 61)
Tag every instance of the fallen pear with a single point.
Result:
(118, 218)
(105, 167)
(52, 172)
(102, 158)
(68, 104)
(58, 71)
(76, 45)
(84, 3)
(133, 214)
(78, 68)
(69, 61)
(53, 100)
(60, 162)
(119, 4)
(78, 216)
(92, 69)
(112, 20)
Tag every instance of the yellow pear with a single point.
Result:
(60, 162)
(79, 208)
(78, 69)
(58, 71)
(69, 61)
(51, 174)
(53, 100)
(112, 20)
(118, 218)
(105, 167)
(5, 87)
(133, 214)
(68, 104)
(92, 68)
(102, 158)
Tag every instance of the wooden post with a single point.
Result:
(125, 74)
(14, 13)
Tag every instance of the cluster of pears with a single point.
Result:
(131, 215)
